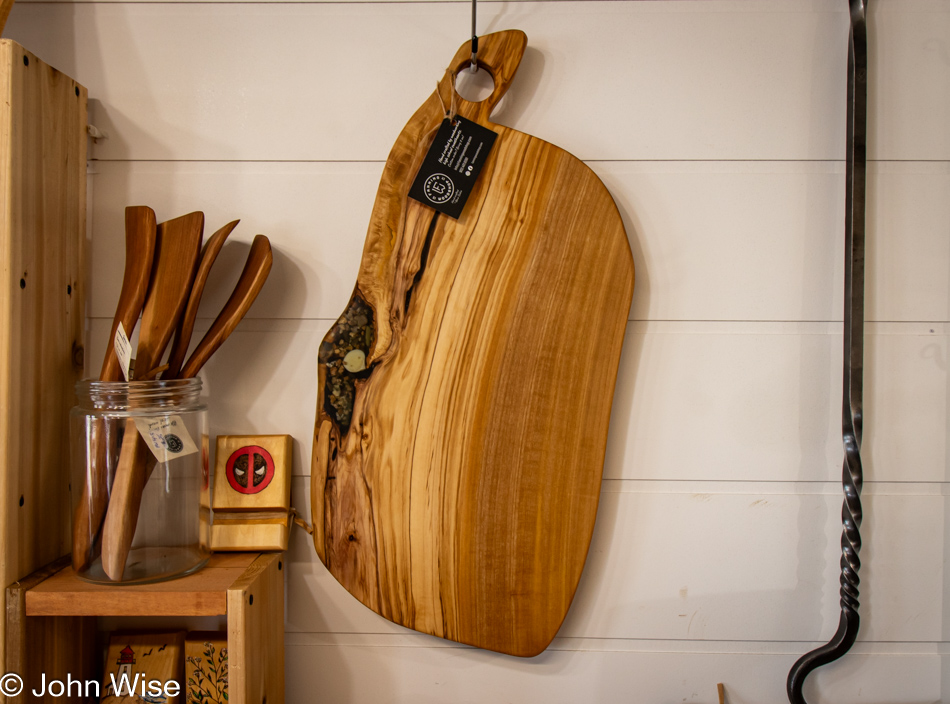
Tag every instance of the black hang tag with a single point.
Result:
(451, 167)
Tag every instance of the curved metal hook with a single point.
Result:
(852, 412)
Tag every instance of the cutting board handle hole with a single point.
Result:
(474, 87)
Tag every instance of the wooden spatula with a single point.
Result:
(139, 253)
(256, 269)
(252, 279)
(187, 324)
(178, 244)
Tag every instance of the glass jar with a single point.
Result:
(140, 483)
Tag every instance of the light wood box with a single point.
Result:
(42, 234)
(257, 520)
(51, 621)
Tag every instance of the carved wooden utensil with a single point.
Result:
(256, 269)
(255, 272)
(177, 247)
(139, 254)
(209, 252)
(464, 395)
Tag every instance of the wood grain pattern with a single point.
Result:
(246, 587)
(456, 491)
(256, 634)
(200, 594)
(243, 531)
(141, 232)
(55, 646)
(259, 520)
(42, 235)
(209, 252)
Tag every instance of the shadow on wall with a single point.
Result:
(240, 379)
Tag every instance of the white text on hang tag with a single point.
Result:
(166, 436)
(123, 350)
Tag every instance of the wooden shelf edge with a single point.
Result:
(55, 590)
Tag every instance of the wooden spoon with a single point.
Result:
(178, 243)
(139, 253)
(256, 269)
(187, 324)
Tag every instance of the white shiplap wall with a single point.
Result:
(718, 126)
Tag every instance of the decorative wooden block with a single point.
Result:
(42, 231)
(144, 667)
(206, 668)
(252, 492)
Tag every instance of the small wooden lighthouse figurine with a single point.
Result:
(251, 499)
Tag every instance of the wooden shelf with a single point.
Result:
(51, 620)
(201, 594)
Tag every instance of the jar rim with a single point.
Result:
(138, 396)
(191, 383)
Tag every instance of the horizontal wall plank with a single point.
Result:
(717, 401)
(412, 639)
(711, 240)
(436, 675)
(755, 403)
(603, 80)
(315, 216)
(711, 567)
(907, 65)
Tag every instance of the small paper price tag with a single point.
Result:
(452, 164)
(123, 350)
(166, 436)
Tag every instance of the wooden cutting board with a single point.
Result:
(455, 479)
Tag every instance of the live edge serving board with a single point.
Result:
(456, 477)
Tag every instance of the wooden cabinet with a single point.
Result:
(51, 621)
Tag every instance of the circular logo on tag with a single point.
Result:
(250, 469)
(438, 188)
(174, 444)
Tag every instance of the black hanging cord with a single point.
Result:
(474, 67)
(852, 472)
